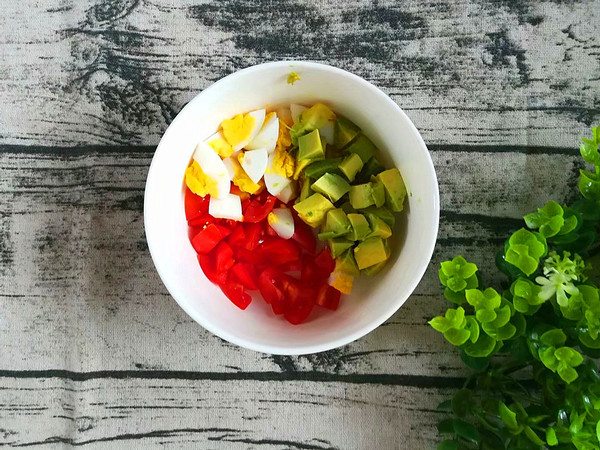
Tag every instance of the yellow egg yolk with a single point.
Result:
(237, 129)
(221, 146)
(242, 180)
(197, 181)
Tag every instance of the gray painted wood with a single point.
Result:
(94, 352)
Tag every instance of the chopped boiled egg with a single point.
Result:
(275, 175)
(327, 131)
(285, 115)
(241, 129)
(296, 110)
(254, 163)
(282, 221)
(227, 207)
(239, 176)
(267, 136)
(197, 181)
(220, 145)
(288, 193)
(212, 167)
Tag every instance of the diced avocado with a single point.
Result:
(337, 222)
(369, 252)
(305, 190)
(339, 246)
(378, 227)
(363, 147)
(313, 209)
(347, 207)
(347, 264)
(371, 168)
(361, 195)
(310, 146)
(300, 165)
(311, 119)
(395, 190)
(351, 165)
(360, 227)
(327, 235)
(345, 132)
(331, 186)
(319, 168)
(378, 193)
(341, 281)
(383, 213)
(374, 270)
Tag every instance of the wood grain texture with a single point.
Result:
(153, 413)
(118, 71)
(80, 292)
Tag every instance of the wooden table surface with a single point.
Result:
(93, 350)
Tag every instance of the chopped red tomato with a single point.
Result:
(225, 231)
(207, 239)
(237, 237)
(276, 251)
(201, 221)
(208, 266)
(324, 262)
(270, 231)
(257, 212)
(245, 274)
(269, 284)
(195, 205)
(254, 233)
(235, 292)
(292, 266)
(223, 257)
(304, 236)
(328, 297)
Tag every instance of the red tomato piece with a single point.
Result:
(304, 236)
(324, 261)
(208, 266)
(244, 255)
(194, 204)
(245, 274)
(223, 257)
(256, 211)
(237, 237)
(270, 231)
(269, 284)
(310, 273)
(207, 239)
(235, 292)
(225, 231)
(201, 220)
(254, 233)
(300, 303)
(292, 266)
(277, 251)
(328, 297)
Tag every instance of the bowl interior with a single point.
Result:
(374, 299)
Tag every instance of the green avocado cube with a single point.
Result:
(374, 270)
(337, 221)
(371, 168)
(305, 190)
(360, 227)
(361, 195)
(331, 186)
(337, 246)
(310, 146)
(313, 209)
(327, 235)
(378, 227)
(369, 252)
(363, 147)
(347, 207)
(378, 193)
(351, 165)
(320, 168)
(347, 264)
(311, 119)
(395, 190)
(344, 132)
(383, 213)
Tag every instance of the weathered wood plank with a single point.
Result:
(79, 290)
(151, 413)
(466, 72)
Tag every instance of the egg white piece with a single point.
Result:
(259, 119)
(282, 222)
(267, 136)
(213, 167)
(287, 193)
(274, 181)
(327, 131)
(230, 166)
(227, 207)
(296, 110)
(254, 163)
(284, 114)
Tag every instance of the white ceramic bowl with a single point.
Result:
(373, 300)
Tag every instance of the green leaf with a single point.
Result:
(455, 297)
(440, 324)
(598, 431)
(466, 431)
(548, 219)
(589, 210)
(554, 338)
(445, 426)
(473, 328)
(478, 364)
(551, 437)
(448, 444)
(589, 152)
(589, 185)
(485, 315)
(446, 405)
(532, 436)
(461, 402)
(569, 355)
(484, 346)
(567, 373)
(508, 417)
(456, 336)
(548, 359)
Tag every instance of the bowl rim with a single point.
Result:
(298, 349)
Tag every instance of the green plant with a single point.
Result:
(535, 384)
